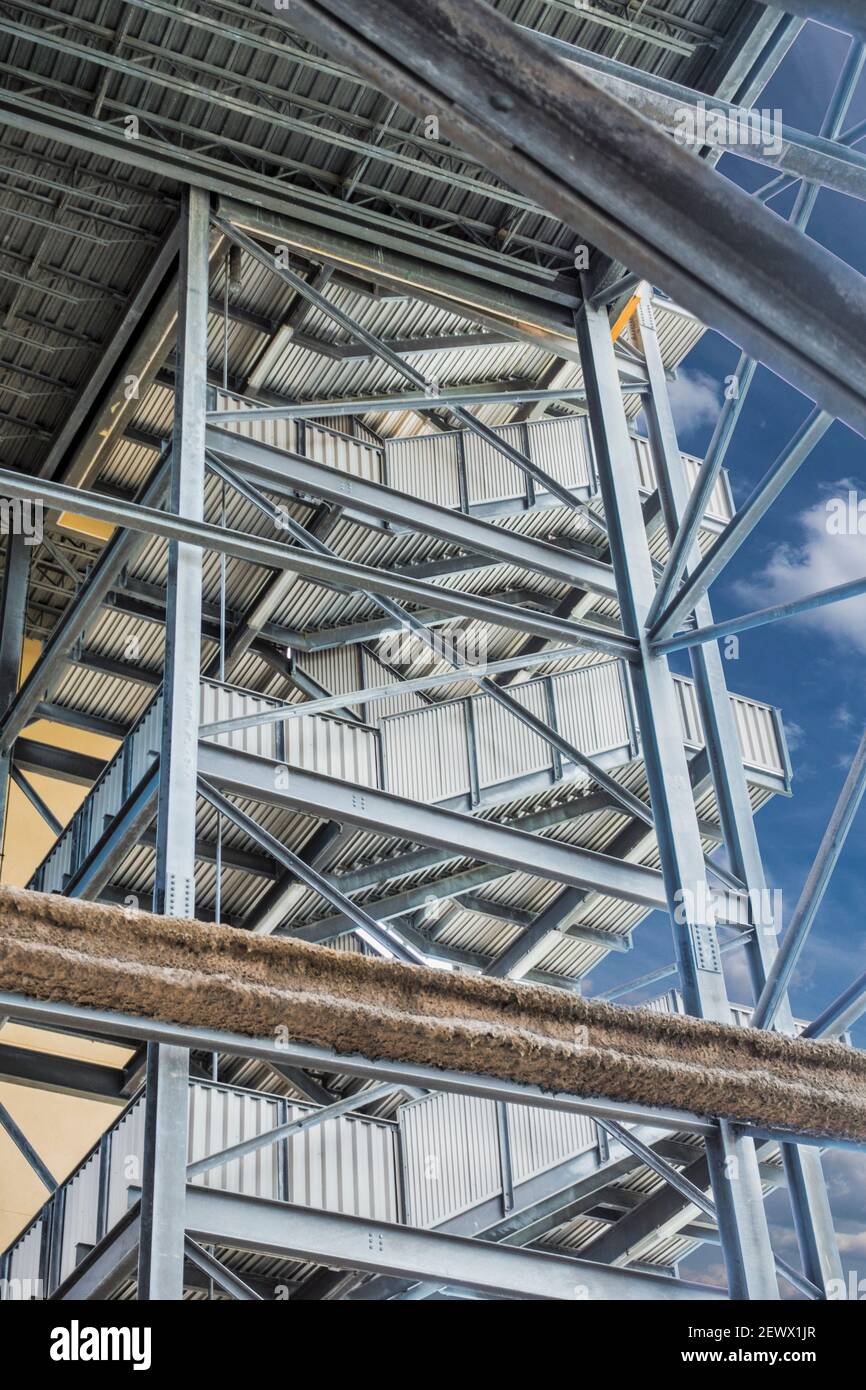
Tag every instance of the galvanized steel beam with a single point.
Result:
(817, 882)
(502, 97)
(809, 1199)
(360, 920)
(789, 461)
(846, 15)
(762, 617)
(214, 1270)
(742, 1219)
(444, 398)
(99, 1022)
(404, 369)
(47, 1071)
(161, 1248)
(103, 578)
(376, 1247)
(269, 915)
(285, 473)
(797, 153)
(241, 775)
(841, 1014)
(13, 615)
(345, 1106)
(26, 1149)
(331, 571)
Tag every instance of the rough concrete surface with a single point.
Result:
(59, 949)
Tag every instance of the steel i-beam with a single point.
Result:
(161, 1250)
(813, 1218)
(742, 1220)
(503, 98)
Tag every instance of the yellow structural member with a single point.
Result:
(618, 328)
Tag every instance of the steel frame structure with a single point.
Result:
(508, 99)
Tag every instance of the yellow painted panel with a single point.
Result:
(27, 838)
(61, 1128)
(86, 526)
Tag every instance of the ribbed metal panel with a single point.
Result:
(347, 1165)
(562, 448)
(143, 745)
(220, 702)
(337, 670)
(591, 708)
(339, 451)
(107, 797)
(643, 459)
(426, 754)
(541, 1139)
(377, 674)
(506, 748)
(318, 743)
(719, 507)
(137, 753)
(426, 467)
(671, 1002)
(220, 1116)
(333, 747)
(79, 1214)
(489, 475)
(451, 1151)
(124, 1163)
(57, 865)
(693, 733)
(23, 1270)
(756, 727)
(450, 1156)
(278, 434)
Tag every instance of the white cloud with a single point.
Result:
(795, 734)
(695, 400)
(738, 977)
(821, 560)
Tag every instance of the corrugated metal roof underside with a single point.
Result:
(78, 230)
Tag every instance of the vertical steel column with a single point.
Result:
(161, 1252)
(812, 1216)
(733, 1162)
(506, 1168)
(13, 608)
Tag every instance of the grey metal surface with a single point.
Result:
(741, 1215)
(160, 1258)
(255, 779)
(450, 61)
(343, 1242)
(346, 206)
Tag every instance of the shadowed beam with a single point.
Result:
(505, 100)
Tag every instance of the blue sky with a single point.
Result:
(814, 668)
